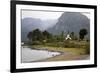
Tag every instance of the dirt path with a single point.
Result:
(67, 57)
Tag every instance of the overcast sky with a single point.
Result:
(44, 15)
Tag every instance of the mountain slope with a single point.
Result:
(70, 22)
(29, 24)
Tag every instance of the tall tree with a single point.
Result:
(82, 33)
(35, 35)
(72, 35)
(46, 34)
(62, 36)
(29, 36)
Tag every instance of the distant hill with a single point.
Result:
(49, 23)
(29, 24)
(69, 21)
(72, 22)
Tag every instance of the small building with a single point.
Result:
(68, 37)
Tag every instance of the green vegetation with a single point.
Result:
(39, 39)
(82, 33)
(87, 48)
(44, 37)
(35, 35)
(67, 53)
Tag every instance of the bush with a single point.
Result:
(54, 44)
(87, 49)
(36, 43)
(71, 44)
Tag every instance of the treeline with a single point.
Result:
(37, 37)
(44, 36)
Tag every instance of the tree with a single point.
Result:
(62, 34)
(46, 34)
(82, 33)
(72, 35)
(35, 35)
(29, 36)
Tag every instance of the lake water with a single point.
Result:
(30, 55)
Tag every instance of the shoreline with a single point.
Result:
(64, 56)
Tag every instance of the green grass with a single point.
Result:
(76, 49)
(67, 53)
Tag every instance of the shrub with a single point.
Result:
(36, 43)
(87, 49)
(71, 44)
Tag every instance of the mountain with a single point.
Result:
(29, 24)
(70, 22)
(48, 23)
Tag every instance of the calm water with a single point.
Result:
(30, 55)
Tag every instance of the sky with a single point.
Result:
(44, 15)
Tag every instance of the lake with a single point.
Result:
(33, 55)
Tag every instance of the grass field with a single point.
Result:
(66, 53)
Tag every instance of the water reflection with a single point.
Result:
(29, 55)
